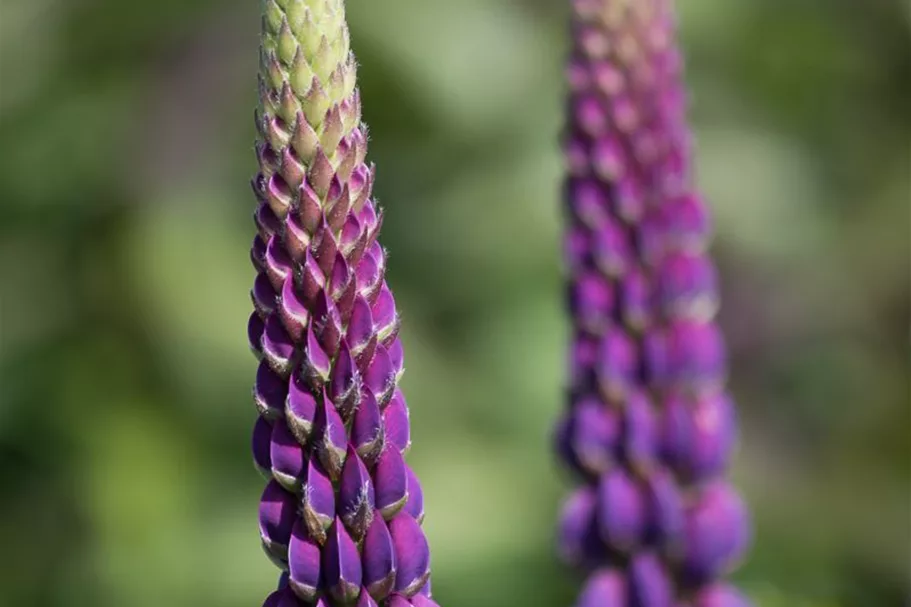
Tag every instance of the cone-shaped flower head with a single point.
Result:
(342, 511)
(649, 428)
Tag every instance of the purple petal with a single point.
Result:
(396, 423)
(368, 275)
(412, 554)
(258, 253)
(688, 286)
(263, 295)
(315, 364)
(360, 328)
(327, 323)
(277, 512)
(587, 202)
(397, 358)
(379, 559)
(300, 409)
(367, 429)
(304, 563)
(391, 480)
(578, 542)
(296, 238)
(689, 225)
(255, 328)
(312, 279)
(605, 588)
(385, 316)
(640, 431)
(365, 600)
(717, 533)
(608, 159)
(594, 432)
(419, 600)
(397, 600)
(620, 510)
(277, 262)
(278, 347)
(649, 583)
(713, 432)
(590, 115)
(317, 500)
(582, 361)
(356, 495)
(666, 514)
(415, 504)
(269, 392)
(341, 565)
(331, 442)
(697, 356)
(288, 460)
(636, 300)
(628, 199)
(617, 365)
(293, 311)
(591, 301)
(345, 382)
(262, 436)
(380, 376)
(721, 595)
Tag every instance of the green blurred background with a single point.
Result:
(126, 132)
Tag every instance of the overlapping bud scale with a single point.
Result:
(342, 511)
(649, 427)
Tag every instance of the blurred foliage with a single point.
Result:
(126, 133)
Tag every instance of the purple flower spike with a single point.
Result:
(304, 564)
(269, 393)
(317, 500)
(325, 329)
(414, 507)
(300, 409)
(412, 554)
(721, 595)
(341, 564)
(262, 437)
(287, 456)
(276, 518)
(717, 533)
(356, 498)
(605, 588)
(648, 425)
(620, 510)
(379, 559)
(649, 583)
(331, 441)
(391, 479)
(367, 434)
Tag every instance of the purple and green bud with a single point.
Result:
(342, 511)
(649, 428)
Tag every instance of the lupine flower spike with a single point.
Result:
(649, 427)
(341, 513)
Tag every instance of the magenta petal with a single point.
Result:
(327, 323)
(263, 295)
(636, 301)
(419, 600)
(688, 286)
(287, 457)
(415, 504)
(277, 512)
(367, 274)
(360, 328)
(391, 480)
(397, 600)
(396, 423)
(591, 301)
(300, 409)
(612, 249)
(345, 382)
(365, 600)
(605, 588)
(277, 262)
(312, 280)
(594, 433)
(712, 434)
(380, 376)
(412, 554)
(688, 223)
(304, 563)
(620, 510)
(379, 559)
(717, 533)
(269, 392)
(262, 436)
(649, 583)
(317, 500)
(341, 565)
(331, 438)
(278, 347)
(367, 429)
(697, 354)
(356, 495)
(666, 514)
(397, 358)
